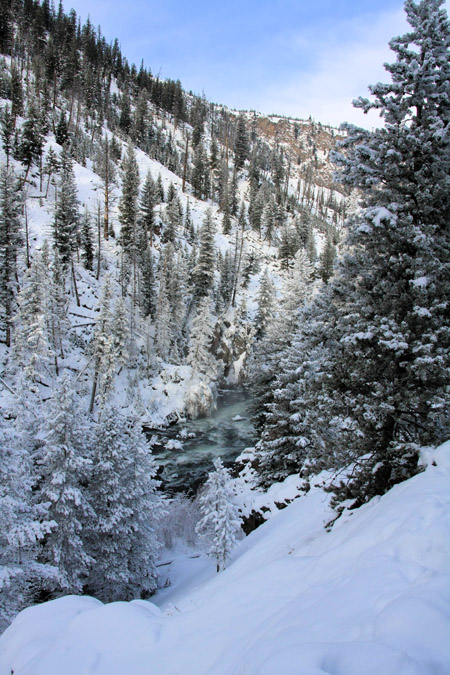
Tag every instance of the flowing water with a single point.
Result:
(185, 451)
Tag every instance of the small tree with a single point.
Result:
(221, 523)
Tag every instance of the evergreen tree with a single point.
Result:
(266, 305)
(200, 174)
(64, 468)
(327, 257)
(31, 349)
(87, 246)
(174, 219)
(128, 205)
(200, 341)
(122, 538)
(204, 270)
(7, 133)
(220, 525)
(163, 320)
(106, 169)
(102, 350)
(371, 386)
(147, 282)
(67, 216)
(11, 200)
(32, 139)
(62, 130)
(240, 144)
(24, 525)
(147, 209)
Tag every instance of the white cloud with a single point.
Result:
(345, 62)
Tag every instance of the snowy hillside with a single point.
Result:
(372, 596)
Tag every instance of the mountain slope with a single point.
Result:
(371, 596)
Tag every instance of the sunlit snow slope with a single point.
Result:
(371, 597)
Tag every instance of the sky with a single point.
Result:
(291, 57)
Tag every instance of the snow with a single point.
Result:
(371, 596)
(420, 282)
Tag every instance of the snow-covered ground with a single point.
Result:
(370, 597)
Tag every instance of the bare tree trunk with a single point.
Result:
(75, 285)
(99, 241)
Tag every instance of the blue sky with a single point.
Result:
(294, 57)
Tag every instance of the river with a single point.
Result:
(185, 451)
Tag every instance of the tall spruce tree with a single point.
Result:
(372, 383)
(11, 201)
(67, 215)
(204, 270)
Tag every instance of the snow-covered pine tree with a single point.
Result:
(128, 204)
(102, 350)
(24, 525)
(163, 321)
(200, 341)
(31, 352)
(11, 202)
(371, 384)
(220, 525)
(147, 210)
(122, 538)
(64, 468)
(241, 143)
(204, 270)
(67, 216)
(266, 305)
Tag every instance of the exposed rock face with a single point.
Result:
(231, 345)
(199, 401)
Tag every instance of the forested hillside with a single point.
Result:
(156, 247)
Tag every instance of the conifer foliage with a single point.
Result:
(369, 384)
(221, 524)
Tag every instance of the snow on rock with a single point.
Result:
(199, 400)
(372, 596)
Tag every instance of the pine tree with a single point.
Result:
(371, 386)
(31, 349)
(87, 246)
(32, 139)
(67, 216)
(174, 219)
(200, 341)
(7, 133)
(62, 130)
(11, 200)
(106, 169)
(147, 209)
(240, 144)
(200, 174)
(220, 525)
(64, 468)
(24, 525)
(266, 305)
(163, 320)
(128, 206)
(122, 538)
(204, 270)
(327, 258)
(147, 282)
(102, 350)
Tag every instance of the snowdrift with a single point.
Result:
(372, 596)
